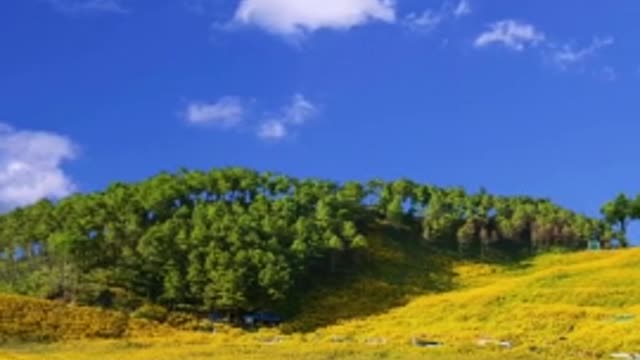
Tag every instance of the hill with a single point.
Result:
(378, 268)
(235, 240)
(555, 306)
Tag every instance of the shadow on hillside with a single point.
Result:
(399, 268)
(507, 259)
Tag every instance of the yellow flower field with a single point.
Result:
(558, 306)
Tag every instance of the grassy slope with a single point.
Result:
(555, 307)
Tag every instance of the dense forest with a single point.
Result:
(235, 239)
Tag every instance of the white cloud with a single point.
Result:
(512, 34)
(463, 9)
(226, 112)
(88, 6)
(30, 166)
(518, 36)
(296, 17)
(427, 21)
(272, 130)
(430, 19)
(232, 112)
(299, 111)
(296, 114)
(568, 55)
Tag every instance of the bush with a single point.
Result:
(151, 312)
(109, 298)
(189, 322)
(27, 319)
(181, 320)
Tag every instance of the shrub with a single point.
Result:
(27, 319)
(151, 312)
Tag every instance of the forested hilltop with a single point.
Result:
(235, 239)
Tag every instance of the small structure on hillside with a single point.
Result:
(626, 356)
(623, 318)
(425, 343)
(264, 318)
(594, 245)
(250, 319)
(500, 343)
(219, 317)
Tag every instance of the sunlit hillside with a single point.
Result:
(556, 306)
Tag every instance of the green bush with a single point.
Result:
(151, 312)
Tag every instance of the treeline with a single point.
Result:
(234, 239)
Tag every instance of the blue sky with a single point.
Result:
(539, 98)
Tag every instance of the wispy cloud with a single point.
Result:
(425, 22)
(463, 9)
(519, 36)
(30, 166)
(430, 19)
(89, 6)
(296, 18)
(294, 115)
(512, 34)
(272, 130)
(299, 111)
(231, 112)
(226, 112)
(567, 55)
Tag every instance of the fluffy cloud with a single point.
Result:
(88, 6)
(30, 166)
(511, 34)
(226, 112)
(295, 17)
(567, 54)
(297, 113)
